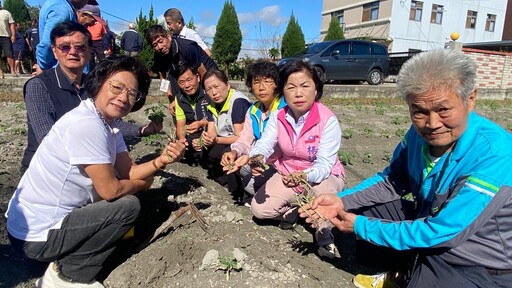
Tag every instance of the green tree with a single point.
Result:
(191, 24)
(143, 23)
(19, 12)
(293, 39)
(334, 32)
(227, 41)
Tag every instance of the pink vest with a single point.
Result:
(301, 154)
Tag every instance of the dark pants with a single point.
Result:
(87, 237)
(378, 256)
(424, 268)
(212, 157)
(432, 271)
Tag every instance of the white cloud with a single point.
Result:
(205, 31)
(269, 15)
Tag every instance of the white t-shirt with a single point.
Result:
(55, 182)
(191, 34)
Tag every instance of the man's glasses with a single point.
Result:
(65, 48)
(117, 88)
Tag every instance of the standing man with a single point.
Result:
(176, 24)
(32, 37)
(53, 12)
(7, 37)
(89, 17)
(176, 51)
(441, 210)
(131, 42)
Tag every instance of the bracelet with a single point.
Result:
(156, 167)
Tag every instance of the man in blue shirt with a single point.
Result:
(52, 13)
(441, 212)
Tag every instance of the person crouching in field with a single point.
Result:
(227, 113)
(75, 202)
(440, 214)
(262, 82)
(305, 137)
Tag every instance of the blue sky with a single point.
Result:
(260, 20)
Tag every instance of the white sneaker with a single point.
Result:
(329, 251)
(51, 279)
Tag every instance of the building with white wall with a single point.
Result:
(409, 25)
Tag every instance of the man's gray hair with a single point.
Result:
(439, 69)
(175, 15)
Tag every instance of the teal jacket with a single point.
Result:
(464, 202)
(255, 113)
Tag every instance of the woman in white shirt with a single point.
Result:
(75, 202)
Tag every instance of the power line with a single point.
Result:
(117, 17)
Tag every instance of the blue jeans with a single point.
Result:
(87, 237)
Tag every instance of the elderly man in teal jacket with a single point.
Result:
(441, 212)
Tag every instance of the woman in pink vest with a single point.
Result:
(306, 137)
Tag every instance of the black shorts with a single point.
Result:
(6, 46)
(19, 54)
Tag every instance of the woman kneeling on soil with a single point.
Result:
(57, 213)
(226, 113)
(262, 82)
(306, 137)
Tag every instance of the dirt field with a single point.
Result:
(187, 256)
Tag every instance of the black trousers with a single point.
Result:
(425, 267)
(211, 161)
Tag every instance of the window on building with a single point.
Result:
(416, 10)
(490, 22)
(370, 11)
(437, 14)
(471, 19)
(341, 18)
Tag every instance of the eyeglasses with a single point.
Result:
(117, 88)
(264, 82)
(65, 48)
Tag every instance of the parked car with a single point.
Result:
(347, 60)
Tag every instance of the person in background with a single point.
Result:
(262, 82)
(7, 37)
(304, 137)
(227, 114)
(88, 17)
(109, 42)
(173, 51)
(176, 24)
(19, 47)
(56, 91)
(32, 37)
(131, 42)
(191, 110)
(441, 209)
(52, 12)
(75, 202)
